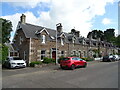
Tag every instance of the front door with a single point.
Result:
(54, 54)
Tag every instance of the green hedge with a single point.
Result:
(88, 59)
(32, 64)
(48, 60)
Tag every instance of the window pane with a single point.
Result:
(62, 52)
(43, 38)
(43, 52)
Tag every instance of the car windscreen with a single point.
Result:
(65, 59)
(16, 58)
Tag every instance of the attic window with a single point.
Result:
(43, 39)
(73, 40)
(62, 41)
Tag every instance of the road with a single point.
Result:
(96, 75)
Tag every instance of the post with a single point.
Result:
(56, 46)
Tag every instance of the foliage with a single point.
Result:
(5, 29)
(48, 60)
(94, 55)
(96, 34)
(95, 50)
(4, 53)
(99, 55)
(88, 59)
(118, 41)
(74, 56)
(32, 64)
(0, 53)
(109, 35)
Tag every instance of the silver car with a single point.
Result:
(117, 57)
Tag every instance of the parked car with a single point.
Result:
(72, 62)
(117, 57)
(14, 62)
(108, 58)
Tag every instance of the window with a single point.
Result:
(43, 39)
(62, 53)
(74, 52)
(73, 40)
(42, 54)
(74, 58)
(21, 39)
(62, 43)
(84, 54)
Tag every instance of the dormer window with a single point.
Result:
(43, 39)
(62, 41)
(73, 40)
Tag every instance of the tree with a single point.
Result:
(95, 34)
(109, 35)
(118, 41)
(5, 29)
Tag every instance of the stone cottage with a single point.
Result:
(33, 43)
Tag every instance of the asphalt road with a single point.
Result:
(96, 75)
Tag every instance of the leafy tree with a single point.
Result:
(95, 34)
(5, 30)
(118, 41)
(109, 35)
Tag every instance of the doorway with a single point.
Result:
(54, 54)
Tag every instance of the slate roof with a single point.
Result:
(30, 32)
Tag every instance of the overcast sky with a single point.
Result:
(83, 15)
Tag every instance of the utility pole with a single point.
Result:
(56, 45)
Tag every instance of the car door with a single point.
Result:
(81, 63)
(75, 62)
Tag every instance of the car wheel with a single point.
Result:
(85, 65)
(62, 67)
(72, 66)
(9, 66)
(110, 60)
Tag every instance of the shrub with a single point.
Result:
(88, 59)
(32, 64)
(48, 60)
(94, 55)
(100, 55)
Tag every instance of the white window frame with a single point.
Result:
(43, 39)
(44, 55)
(62, 42)
(62, 54)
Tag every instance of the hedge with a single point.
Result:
(48, 60)
(32, 64)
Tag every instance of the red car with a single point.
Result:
(72, 62)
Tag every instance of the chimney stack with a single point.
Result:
(59, 27)
(75, 32)
(23, 19)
